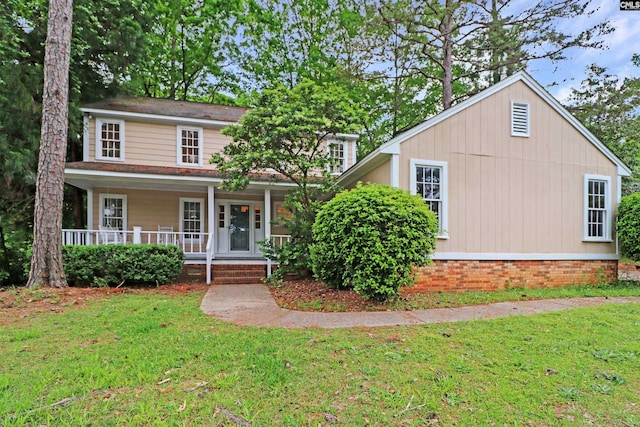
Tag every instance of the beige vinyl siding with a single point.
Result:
(149, 209)
(510, 194)
(155, 144)
(380, 175)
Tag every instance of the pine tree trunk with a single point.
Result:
(46, 261)
(446, 29)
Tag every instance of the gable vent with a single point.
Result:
(519, 118)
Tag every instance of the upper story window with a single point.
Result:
(109, 139)
(337, 156)
(429, 180)
(189, 146)
(519, 118)
(597, 208)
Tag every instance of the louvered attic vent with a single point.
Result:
(519, 118)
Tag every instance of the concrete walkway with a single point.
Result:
(253, 305)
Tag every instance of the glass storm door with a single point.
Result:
(239, 227)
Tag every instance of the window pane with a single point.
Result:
(436, 174)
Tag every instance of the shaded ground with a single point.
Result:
(311, 295)
(20, 303)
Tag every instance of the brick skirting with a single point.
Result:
(489, 275)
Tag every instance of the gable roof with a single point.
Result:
(392, 146)
(166, 108)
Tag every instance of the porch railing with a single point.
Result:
(191, 243)
(280, 239)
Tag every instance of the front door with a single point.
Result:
(239, 227)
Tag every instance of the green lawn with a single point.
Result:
(157, 360)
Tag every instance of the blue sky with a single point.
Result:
(621, 45)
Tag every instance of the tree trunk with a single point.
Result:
(46, 261)
(447, 56)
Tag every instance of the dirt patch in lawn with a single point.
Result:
(22, 303)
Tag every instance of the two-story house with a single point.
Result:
(148, 179)
(524, 193)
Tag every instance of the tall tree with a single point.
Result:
(473, 43)
(608, 105)
(46, 262)
(189, 49)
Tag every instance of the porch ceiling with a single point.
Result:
(88, 175)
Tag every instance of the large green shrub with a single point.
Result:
(629, 226)
(370, 238)
(113, 264)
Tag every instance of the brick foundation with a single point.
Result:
(454, 276)
(227, 274)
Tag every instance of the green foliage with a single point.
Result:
(287, 131)
(370, 238)
(108, 265)
(15, 244)
(629, 226)
(186, 50)
(608, 106)
(293, 256)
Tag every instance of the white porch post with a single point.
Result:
(394, 169)
(267, 222)
(211, 228)
(89, 216)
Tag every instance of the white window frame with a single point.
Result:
(444, 190)
(344, 156)
(179, 130)
(104, 196)
(608, 218)
(515, 132)
(99, 123)
(183, 200)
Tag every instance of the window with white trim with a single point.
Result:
(337, 156)
(113, 211)
(109, 139)
(597, 207)
(519, 118)
(191, 218)
(189, 146)
(429, 180)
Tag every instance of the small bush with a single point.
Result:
(109, 265)
(370, 238)
(629, 226)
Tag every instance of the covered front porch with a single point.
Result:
(191, 212)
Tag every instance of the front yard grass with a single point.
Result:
(152, 359)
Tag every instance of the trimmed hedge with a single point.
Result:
(370, 238)
(629, 226)
(109, 265)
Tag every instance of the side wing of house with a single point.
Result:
(522, 194)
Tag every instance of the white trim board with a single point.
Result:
(491, 256)
(96, 112)
(91, 173)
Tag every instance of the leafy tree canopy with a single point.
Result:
(608, 105)
(288, 131)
